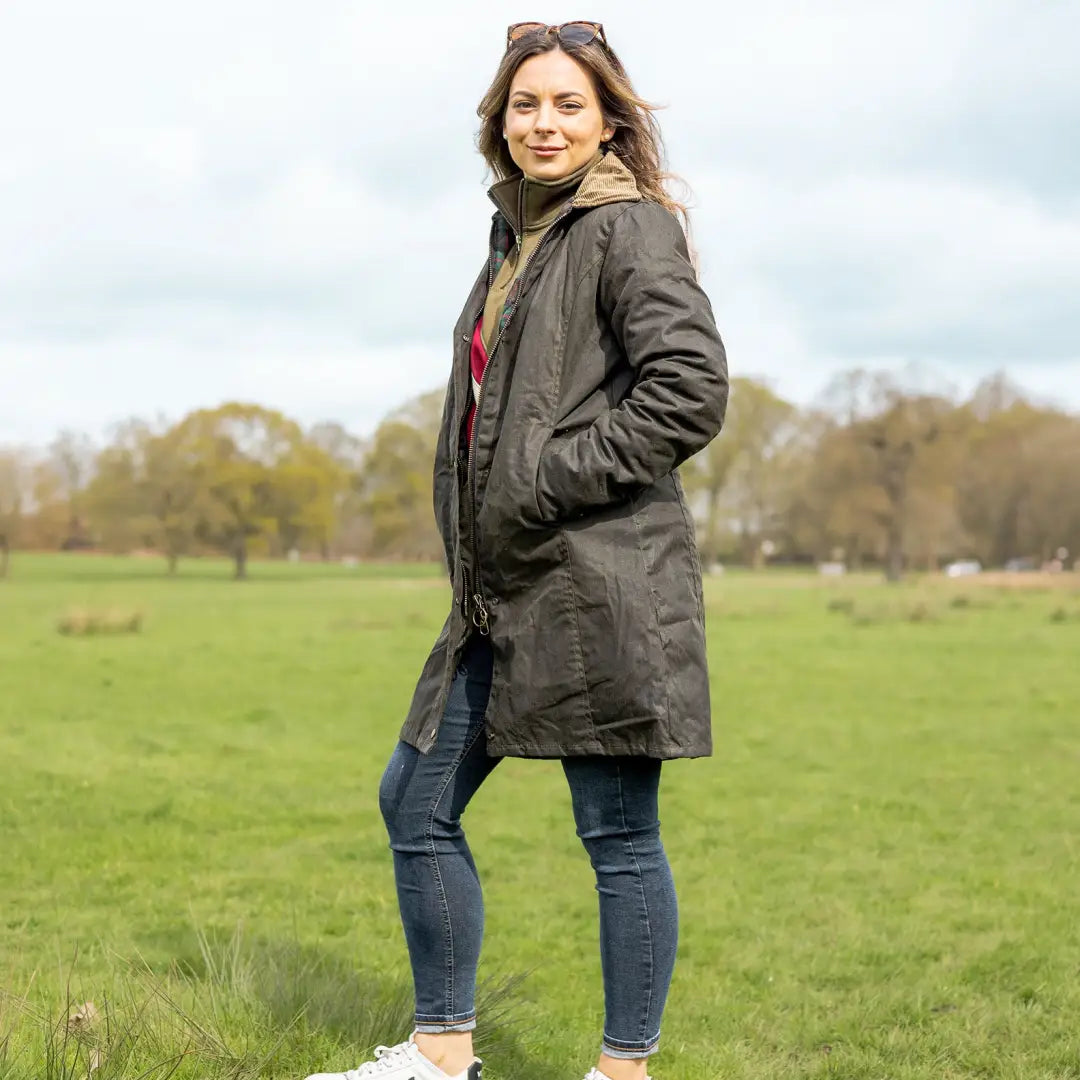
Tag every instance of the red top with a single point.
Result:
(478, 359)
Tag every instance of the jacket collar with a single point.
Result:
(603, 180)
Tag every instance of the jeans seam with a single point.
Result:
(644, 899)
(447, 923)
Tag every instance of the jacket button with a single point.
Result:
(493, 601)
(464, 337)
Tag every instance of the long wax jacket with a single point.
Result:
(565, 526)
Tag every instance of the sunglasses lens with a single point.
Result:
(578, 33)
(519, 30)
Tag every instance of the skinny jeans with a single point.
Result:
(422, 798)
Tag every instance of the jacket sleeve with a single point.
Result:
(663, 320)
(444, 478)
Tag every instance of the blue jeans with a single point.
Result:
(422, 798)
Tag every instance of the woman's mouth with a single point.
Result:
(547, 151)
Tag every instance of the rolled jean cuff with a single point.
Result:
(624, 1051)
(435, 1025)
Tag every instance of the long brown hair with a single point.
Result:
(637, 140)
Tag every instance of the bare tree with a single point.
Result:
(892, 426)
(71, 458)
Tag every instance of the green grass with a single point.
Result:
(878, 871)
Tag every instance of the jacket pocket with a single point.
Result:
(617, 618)
(549, 510)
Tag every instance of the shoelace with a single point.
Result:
(387, 1058)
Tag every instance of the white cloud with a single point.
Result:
(872, 264)
(283, 203)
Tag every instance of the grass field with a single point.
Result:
(878, 871)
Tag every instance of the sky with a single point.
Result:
(282, 203)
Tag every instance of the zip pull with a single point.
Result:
(480, 615)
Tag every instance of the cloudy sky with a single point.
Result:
(280, 202)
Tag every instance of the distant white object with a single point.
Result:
(294, 555)
(768, 548)
(832, 569)
(349, 561)
(963, 568)
(715, 568)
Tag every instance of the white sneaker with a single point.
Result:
(596, 1074)
(401, 1062)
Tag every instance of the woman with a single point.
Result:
(587, 367)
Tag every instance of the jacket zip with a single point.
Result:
(466, 581)
(480, 612)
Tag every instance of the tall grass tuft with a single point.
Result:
(245, 1010)
(310, 992)
(82, 623)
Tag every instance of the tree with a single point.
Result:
(738, 473)
(1015, 492)
(169, 494)
(346, 452)
(143, 492)
(1052, 506)
(892, 427)
(15, 483)
(424, 413)
(48, 525)
(396, 493)
(111, 499)
(233, 453)
(394, 485)
(761, 424)
(71, 458)
(707, 474)
(832, 502)
(307, 488)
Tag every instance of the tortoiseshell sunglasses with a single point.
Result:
(570, 33)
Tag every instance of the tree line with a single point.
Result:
(879, 471)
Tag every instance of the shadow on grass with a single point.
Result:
(225, 1007)
(309, 991)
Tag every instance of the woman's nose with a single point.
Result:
(545, 119)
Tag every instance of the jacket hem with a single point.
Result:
(551, 751)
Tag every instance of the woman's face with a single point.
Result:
(553, 124)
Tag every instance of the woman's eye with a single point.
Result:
(569, 106)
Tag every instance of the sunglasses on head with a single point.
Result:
(568, 33)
